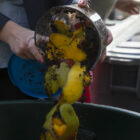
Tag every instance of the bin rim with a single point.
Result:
(96, 106)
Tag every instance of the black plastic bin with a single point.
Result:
(22, 120)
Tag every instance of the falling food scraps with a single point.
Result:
(66, 48)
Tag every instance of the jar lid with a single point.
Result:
(28, 76)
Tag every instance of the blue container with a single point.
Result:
(28, 76)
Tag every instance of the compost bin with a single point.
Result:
(23, 120)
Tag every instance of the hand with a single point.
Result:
(82, 3)
(128, 6)
(21, 41)
(108, 40)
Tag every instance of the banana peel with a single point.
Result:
(62, 28)
(51, 83)
(62, 46)
(55, 78)
(62, 73)
(63, 126)
(71, 80)
(74, 86)
(62, 122)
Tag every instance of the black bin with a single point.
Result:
(22, 120)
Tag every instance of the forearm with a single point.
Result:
(9, 31)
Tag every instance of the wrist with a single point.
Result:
(13, 32)
(7, 31)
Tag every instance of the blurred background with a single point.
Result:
(116, 81)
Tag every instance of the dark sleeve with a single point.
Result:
(34, 10)
(3, 20)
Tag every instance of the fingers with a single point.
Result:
(128, 6)
(24, 56)
(103, 57)
(132, 8)
(134, 11)
(29, 50)
(82, 3)
(108, 40)
(44, 39)
(34, 52)
(29, 55)
(109, 37)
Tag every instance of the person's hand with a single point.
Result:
(21, 41)
(108, 40)
(82, 3)
(127, 6)
(109, 37)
